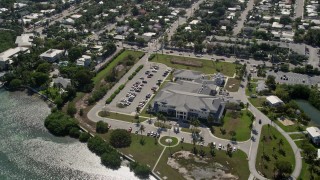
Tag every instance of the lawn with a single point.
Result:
(122, 117)
(207, 66)
(174, 141)
(272, 151)
(292, 128)
(102, 74)
(233, 163)
(233, 85)
(298, 136)
(145, 153)
(237, 123)
(252, 90)
(257, 102)
(163, 125)
(190, 130)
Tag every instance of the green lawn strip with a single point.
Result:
(102, 74)
(305, 173)
(239, 125)
(257, 102)
(163, 125)
(237, 164)
(232, 85)
(173, 142)
(292, 128)
(253, 89)
(298, 136)
(271, 150)
(208, 66)
(122, 117)
(190, 130)
(147, 152)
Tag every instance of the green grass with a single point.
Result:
(239, 125)
(233, 163)
(292, 128)
(122, 117)
(253, 89)
(190, 130)
(233, 85)
(298, 136)
(208, 66)
(102, 74)
(257, 102)
(173, 143)
(145, 153)
(271, 149)
(163, 125)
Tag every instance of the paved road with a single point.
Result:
(243, 17)
(189, 13)
(299, 9)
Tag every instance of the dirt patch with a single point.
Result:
(186, 62)
(193, 167)
(120, 67)
(286, 122)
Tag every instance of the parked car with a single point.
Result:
(220, 146)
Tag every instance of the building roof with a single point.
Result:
(51, 53)
(274, 99)
(64, 82)
(313, 131)
(183, 101)
(24, 40)
(4, 56)
(187, 74)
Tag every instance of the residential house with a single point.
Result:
(274, 101)
(314, 134)
(52, 55)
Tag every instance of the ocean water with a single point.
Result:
(28, 151)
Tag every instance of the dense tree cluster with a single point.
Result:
(102, 127)
(141, 171)
(120, 138)
(60, 124)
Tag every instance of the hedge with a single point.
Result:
(109, 100)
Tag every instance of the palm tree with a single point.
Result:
(164, 119)
(280, 143)
(195, 123)
(142, 129)
(149, 109)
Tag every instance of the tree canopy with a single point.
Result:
(120, 138)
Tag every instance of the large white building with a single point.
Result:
(274, 101)
(314, 134)
(5, 57)
(25, 40)
(52, 55)
(184, 100)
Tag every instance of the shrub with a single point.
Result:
(59, 124)
(141, 171)
(117, 91)
(98, 146)
(108, 101)
(120, 138)
(121, 86)
(84, 137)
(71, 110)
(74, 132)
(111, 160)
(101, 127)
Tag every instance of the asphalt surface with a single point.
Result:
(146, 89)
(243, 17)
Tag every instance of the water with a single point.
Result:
(310, 111)
(28, 151)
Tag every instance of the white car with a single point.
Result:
(214, 144)
(220, 146)
(234, 149)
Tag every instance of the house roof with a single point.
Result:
(24, 40)
(4, 56)
(274, 99)
(187, 74)
(313, 131)
(64, 82)
(51, 53)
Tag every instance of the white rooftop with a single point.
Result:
(313, 131)
(274, 99)
(51, 53)
(4, 56)
(24, 40)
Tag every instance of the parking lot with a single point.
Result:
(294, 78)
(139, 90)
